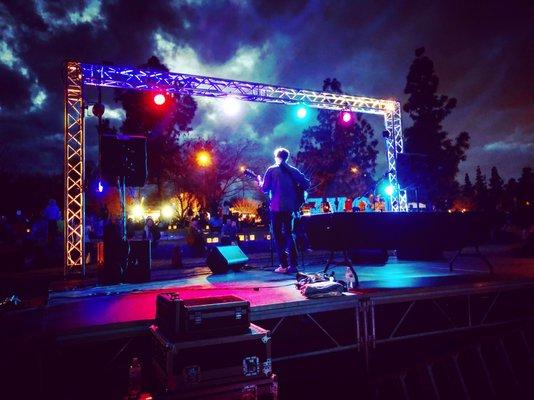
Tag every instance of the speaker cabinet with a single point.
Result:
(220, 259)
(123, 156)
(139, 261)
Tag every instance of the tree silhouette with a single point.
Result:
(221, 179)
(467, 188)
(162, 125)
(340, 158)
(525, 188)
(426, 136)
(495, 193)
(481, 190)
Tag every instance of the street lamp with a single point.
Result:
(203, 158)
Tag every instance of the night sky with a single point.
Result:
(483, 56)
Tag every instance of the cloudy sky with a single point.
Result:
(483, 56)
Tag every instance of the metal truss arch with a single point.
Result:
(79, 74)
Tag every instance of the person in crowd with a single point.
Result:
(225, 211)
(130, 228)
(195, 239)
(215, 223)
(151, 231)
(229, 231)
(52, 214)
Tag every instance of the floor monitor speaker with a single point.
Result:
(223, 258)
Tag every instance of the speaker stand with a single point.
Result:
(346, 262)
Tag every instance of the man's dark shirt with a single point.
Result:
(281, 188)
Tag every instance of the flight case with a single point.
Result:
(211, 361)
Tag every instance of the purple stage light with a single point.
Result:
(346, 116)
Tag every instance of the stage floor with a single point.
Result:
(129, 308)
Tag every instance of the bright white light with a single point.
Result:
(302, 112)
(167, 212)
(159, 99)
(138, 211)
(346, 116)
(389, 190)
(231, 106)
(100, 187)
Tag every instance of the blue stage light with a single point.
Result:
(302, 112)
(100, 187)
(389, 190)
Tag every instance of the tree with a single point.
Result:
(339, 157)
(467, 188)
(495, 194)
(510, 195)
(481, 189)
(525, 187)
(162, 125)
(426, 136)
(220, 178)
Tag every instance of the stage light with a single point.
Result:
(390, 106)
(389, 190)
(231, 106)
(167, 212)
(354, 170)
(138, 211)
(203, 158)
(159, 99)
(346, 117)
(302, 112)
(242, 168)
(100, 187)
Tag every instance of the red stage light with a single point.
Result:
(159, 99)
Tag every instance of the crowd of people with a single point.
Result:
(32, 240)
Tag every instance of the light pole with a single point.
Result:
(242, 168)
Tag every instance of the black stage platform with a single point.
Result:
(389, 299)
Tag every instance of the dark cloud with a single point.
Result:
(482, 55)
(15, 93)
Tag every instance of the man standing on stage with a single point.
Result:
(282, 182)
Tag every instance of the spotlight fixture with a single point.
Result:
(302, 112)
(346, 116)
(159, 99)
(231, 106)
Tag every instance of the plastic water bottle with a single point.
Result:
(134, 381)
(349, 278)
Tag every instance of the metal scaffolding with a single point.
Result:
(74, 174)
(79, 74)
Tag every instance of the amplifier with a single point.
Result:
(201, 363)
